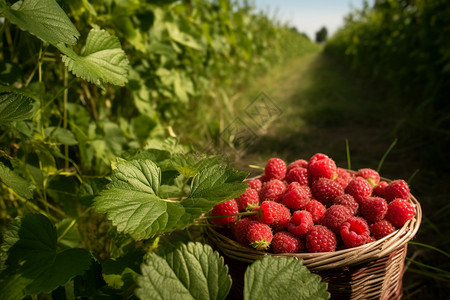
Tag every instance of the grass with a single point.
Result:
(326, 108)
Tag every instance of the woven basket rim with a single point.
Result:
(329, 260)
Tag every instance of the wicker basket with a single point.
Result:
(371, 271)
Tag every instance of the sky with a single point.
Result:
(310, 15)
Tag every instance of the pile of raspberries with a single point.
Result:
(314, 206)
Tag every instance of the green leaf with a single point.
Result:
(43, 18)
(18, 184)
(30, 249)
(282, 278)
(101, 61)
(193, 271)
(60, 135)
(15, 107)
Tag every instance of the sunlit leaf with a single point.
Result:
(17, 183)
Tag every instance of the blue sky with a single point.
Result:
(310, 15)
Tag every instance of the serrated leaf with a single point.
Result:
(15, 107)
(192, 271)
(18, 184)
(43, 18)
(101, 61)
(31, 254)
(282, 278)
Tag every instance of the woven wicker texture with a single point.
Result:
(371, 271)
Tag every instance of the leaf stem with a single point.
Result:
(247, 213)
(65, 100)
(74, 221)
(385, 155)
(347, 150)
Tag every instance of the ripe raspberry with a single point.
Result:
(378, 190)
(298, 174)
(272, 190)
(275, 169)
(298, 163)
(320, 239)
(300, 223)
(316, 209)
(229, 207)
(373, 209)
(335, 216)
(399, 212)
(372, 176)
(323, 168)
(255, 184)
(325, 190)
(286, 242)
(316, 157)
(359, 188)
(344, 177)
(354, 232)
(347, 201)
(296, 196)
(381, 229)
(259, 235)
(248, 200)
(396, 189)
(239, 231)
(274, 213)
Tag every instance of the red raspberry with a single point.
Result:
(298, 163)
(325, 190)
(335, 216)
(275, 169)
(239, 230)
(381, 229)
(300, 223)
(373, 209)
(255, 184)
(359, 188)
(399, 212)
(298, 174)
(317, 156)
(259, 235)
(344, 177)
(274, 213)
(347, 201)
(316, 209)
(248, 200)
(272, 190)
(229, 207)
(354, 232)
(370, 239)
(286, 242)
(372, 176)
(396, 189)
(378, 190)
(323, 168)
(296, 196)
(320, 239)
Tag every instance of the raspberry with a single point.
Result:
(373, 209)
(396, 189)
(300, 223)
(323, 168)
(259, 235)
(255, 184)
(274, 213)
(296, 196)
(354, 232)
(335, 216)
(359, 188)
(249, 199)
(229, 207)
(316, 209)
(272, 190)
(344, 177)
(298, 163)
(379, 189)
(316, 157)
(239, 230)
(370, 175)
(325, 190)
(399, 212)
(347, 201)
(381, 229)
(320, 239)
(275, 169)
(286, 242)
(298, 174)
